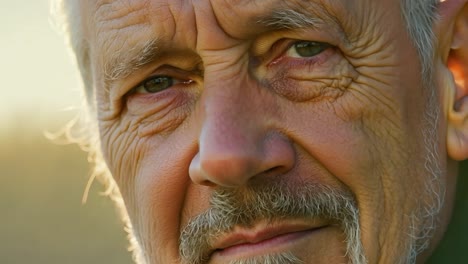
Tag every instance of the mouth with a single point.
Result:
(242, 243)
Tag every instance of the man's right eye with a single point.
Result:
(155, 84)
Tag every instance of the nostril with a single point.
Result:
(207, 183)
(275, 171)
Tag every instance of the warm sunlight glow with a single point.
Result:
(35, 67)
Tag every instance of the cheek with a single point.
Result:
(161, 187)
(340, 145)
(121, 148)
(150, 170)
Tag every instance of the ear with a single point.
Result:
(457, 63)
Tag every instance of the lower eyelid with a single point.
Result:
(161, 112)
(322, 57)
(142, 103)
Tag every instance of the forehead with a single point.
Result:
(226, 11)
(238, 18)
(119, 30)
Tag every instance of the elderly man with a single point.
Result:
(273, 131)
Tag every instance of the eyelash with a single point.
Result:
(284, 46)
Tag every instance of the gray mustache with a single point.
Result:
(265, 202)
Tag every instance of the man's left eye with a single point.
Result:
(305, 49)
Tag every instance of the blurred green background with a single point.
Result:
(42, 218)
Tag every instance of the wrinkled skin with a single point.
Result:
(245, 107)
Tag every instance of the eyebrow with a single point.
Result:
(124, 63)
(290, 19)
(310, 15)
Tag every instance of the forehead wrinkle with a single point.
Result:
(111, 20)
(257, 17)
(121, 52)
(121, 13)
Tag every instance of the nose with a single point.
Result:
(237, 139)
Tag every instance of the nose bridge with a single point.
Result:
(232, 127)
(233, 133)
(231, 114)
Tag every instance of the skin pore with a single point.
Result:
(226, 119)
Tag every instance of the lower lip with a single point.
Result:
(271, 245)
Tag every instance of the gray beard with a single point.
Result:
(273, 202)
(425, 217)
(281, 258)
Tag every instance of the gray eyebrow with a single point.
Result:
(290, 19)
(315, 17)
(124, 62)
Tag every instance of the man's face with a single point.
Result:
(254, 130)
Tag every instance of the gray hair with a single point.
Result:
(419, 16)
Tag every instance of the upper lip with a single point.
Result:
(260, 233)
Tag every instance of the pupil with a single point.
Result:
(157, 84)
